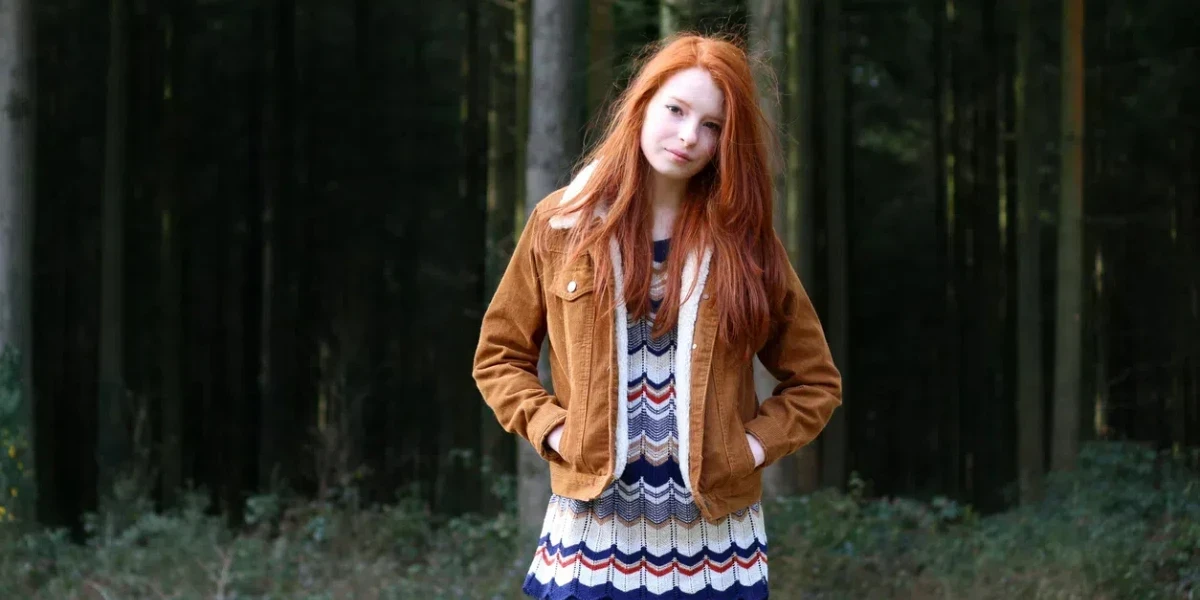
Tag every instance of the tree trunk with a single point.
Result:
(1183, 238)
(768, 41)
(548, 164)
(801, 200)
(800, 205)
(948, 444)
(1030, 454)
(601, 31)
(498, 447)
(522, 19)
(835, 442)
(170, 191)
(17, 130)
(243, 299)
(458, 479)
(113, 448)
(1068, 327)
(1191, 222)
(992, 414)
(278, 452)
(673, 16)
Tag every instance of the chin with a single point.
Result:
(670, 170)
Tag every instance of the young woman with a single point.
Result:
(657, 276)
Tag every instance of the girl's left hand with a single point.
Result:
(756, 448)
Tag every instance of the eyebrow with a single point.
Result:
(685, 103)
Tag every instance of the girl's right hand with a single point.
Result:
(555, 436)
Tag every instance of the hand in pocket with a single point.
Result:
(756, 449)
(555, 438)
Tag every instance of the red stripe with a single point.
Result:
(642, 565)
(643, 389)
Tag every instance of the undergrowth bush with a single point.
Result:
(1125, 524)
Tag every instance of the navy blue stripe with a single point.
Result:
(640, 338)
(658, 430)
(652, 475)
(661, 248)
(576, 591)
(687, 560)
(645, 378)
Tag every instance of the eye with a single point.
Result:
(675, 109)
(713, 126)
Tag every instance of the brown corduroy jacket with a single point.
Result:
(716, 403)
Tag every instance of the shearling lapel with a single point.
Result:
(688, 379)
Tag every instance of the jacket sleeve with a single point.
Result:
(510, 341)
(810, 386)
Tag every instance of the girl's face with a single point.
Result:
(683, 124)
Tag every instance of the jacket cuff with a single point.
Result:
(773, 441)
(543, 422)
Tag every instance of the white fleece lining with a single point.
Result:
(621, 350)
(685, 334)
(568, 220)
(686, 330)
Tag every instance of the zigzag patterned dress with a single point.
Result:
(644, 538)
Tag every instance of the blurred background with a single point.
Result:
(247, 244)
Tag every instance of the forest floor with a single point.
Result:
(1126, 524)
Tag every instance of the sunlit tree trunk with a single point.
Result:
(1030, 453)
(768, 40)
(17, 118)
(522, 19)
(801, 200)
(547, 166)
(1068, 326)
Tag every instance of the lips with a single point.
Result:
(681, 156)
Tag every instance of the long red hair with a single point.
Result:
(728, 205)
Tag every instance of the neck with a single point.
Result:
(666, 195)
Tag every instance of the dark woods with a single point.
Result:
(266, 232)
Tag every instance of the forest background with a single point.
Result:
(246, 246)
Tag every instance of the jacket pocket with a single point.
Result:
(570, 325)
(573, 282)
(727, 454)
(744, 464)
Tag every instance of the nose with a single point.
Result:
(688, 135)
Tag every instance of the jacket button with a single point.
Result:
(693, 346)
(571, 286)
(705, 296)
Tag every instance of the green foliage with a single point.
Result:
(16, 476)
(1126, 524)
(286, 549)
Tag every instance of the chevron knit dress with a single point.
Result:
(644, 538)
